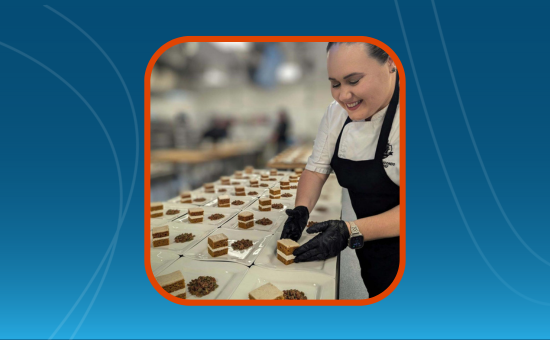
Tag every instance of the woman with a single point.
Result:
(359, 140)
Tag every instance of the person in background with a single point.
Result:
(280, 135)
(217, 130)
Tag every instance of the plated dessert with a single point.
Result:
(285, 248)
(266, 292)
(196, 215)
(218, 245)
(246, 219)
(173, 283)
(161, 236)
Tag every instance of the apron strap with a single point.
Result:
(388, 121)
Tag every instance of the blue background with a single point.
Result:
(477, 221)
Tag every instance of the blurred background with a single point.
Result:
(217, 107)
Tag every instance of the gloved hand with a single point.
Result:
(295, 223)
(330, 242)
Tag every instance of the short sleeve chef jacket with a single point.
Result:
(358, 143)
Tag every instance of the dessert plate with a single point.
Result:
(227, 213)
(277, 219)
(197, 199)
(201, 231)
(316, 286)
(227, 275)
(246, 257)
(161, 258)
(287, 204)
(248, 200)
(268, 258)
(174, 206)
(290, 191)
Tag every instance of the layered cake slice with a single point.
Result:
(218, 245)
(225, 180)
(285, 184)
(186, 197)
(253, 183)
(196, 215)
(246, 220)
(157, 209)
(161, 236)
(223, 201)
(273, 172)
(285, 248)
(293, 178)
(208, 188)
(238, 174)
(264, 204)
(264, 177)
(266, 292)
(275, 193)
(298, 171)
(173, 282)
(239, 191)
(249, 169)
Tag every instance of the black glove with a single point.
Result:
(330, 242)
(295, 223)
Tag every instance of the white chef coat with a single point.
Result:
(358, 143)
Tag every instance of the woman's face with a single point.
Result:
(359, 83)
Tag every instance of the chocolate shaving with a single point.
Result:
(286, 195)
(294, 294)
(199, 199)
(252, 193)
(277, 206)
(264, 185)
(293, 187)
(272, 179)
(242, 244)
(237, 202)
(222, 190)
(172, 212)
(264, 221)
(201, 286)
(214, 217)
(186, 237)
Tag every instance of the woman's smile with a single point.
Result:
(354, 105)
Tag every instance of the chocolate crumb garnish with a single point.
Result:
(294, 294)
(264, 221)
(199, 199)
(214, 217)
(201, 286)
(242, 244)
(252, 193)
(286, 195)
(237, 202)
(186, 237)
(277, 206)
(172, 212)
(222, 190)
(293, 187)
(272, 179)
(310, 223)
(264, 185)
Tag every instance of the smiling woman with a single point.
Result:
(359, 139)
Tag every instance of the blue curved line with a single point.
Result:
(476, 148)
(121, 220)
(447, 174)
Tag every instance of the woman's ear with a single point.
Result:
(391, 65)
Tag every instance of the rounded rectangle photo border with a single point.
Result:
(147, 171)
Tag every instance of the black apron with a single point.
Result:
(372, 192)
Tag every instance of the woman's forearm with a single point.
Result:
(379, 226)
(309, 188)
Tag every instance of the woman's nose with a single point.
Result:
(345, 95)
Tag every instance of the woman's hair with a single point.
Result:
(374, 51)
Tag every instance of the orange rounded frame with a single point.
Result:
(147, 173)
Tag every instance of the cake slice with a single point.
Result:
(225, 180)
(196, 215)
(238, 174)
(157, 209)
(285, 184)
(253, 183)
(218, 245)
(298, 171)
(273, 172)
(285, 248)
(249, 169)
(275, 193)
(239, 191)
(266, 292)
(186, 197)
(293, 178)
(172, 282)
(264, 177)
(246, 220)
(223, 201)
(161, 236)
(209, 188)
(264, 204)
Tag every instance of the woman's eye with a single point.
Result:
(354, 82)
(335, 85)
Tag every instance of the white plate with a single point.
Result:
(161, 258)
(181, 207)
(248, 200)
(227, 212)
(195, 195)
(287, 204)
(201, 231)
(227, 275)
(246, 257)
(268, 258)
(289, 191)
(277, 218)
(316, 286)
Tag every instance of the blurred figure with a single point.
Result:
(218, 130)
(280, 135)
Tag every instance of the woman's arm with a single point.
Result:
(383, 225)
(309, 189)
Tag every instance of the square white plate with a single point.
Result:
(277, 218)
(201, 231)
(316, 286)
(227, 275)
(161, 258)
(287, 204)
(246, 257)
(268, 258)
(181, 207)
(194, 196)
(227, 212)
(290, 191)
(248, 200)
